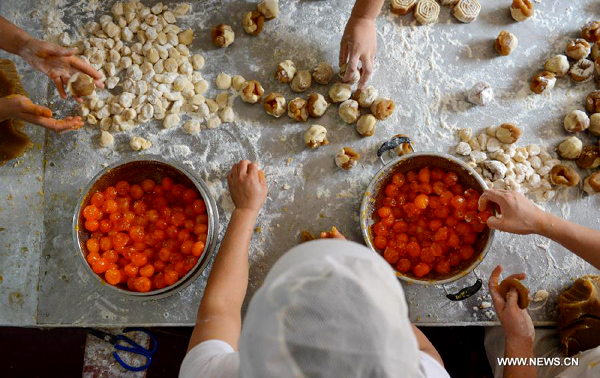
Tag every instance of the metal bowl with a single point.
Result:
(415, 161)
(136, 170)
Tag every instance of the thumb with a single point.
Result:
(36, 110)
(512, 297)
(494, 222)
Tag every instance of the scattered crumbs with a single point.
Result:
(41, 193)
(104, 165)
(289, 161)
(284, 209)
(321, 215)
(285, 187)
(485, 305)
(258, 230)
(475, 308)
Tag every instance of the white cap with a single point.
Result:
(329, 308)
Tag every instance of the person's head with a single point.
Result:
(328, 308)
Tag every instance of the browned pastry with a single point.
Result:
(505, 43)
(523, 292)
(564, 175)
(275, 104)
(542, 81)
(578, 49)
(592, 103)
(591, 184)
(579, 315)
(222, 35)
(253, 22)
(589, 158)
(521, 10)
(382, 108)
(591, 32)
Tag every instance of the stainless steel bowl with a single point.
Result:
(414, 161)
(136, 170)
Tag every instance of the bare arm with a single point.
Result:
(426, 346)
(219, 316)
(12, 38)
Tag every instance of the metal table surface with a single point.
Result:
(425, 69)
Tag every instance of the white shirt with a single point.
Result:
(217, 359)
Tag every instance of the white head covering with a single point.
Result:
(328, 308)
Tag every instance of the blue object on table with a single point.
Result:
(132, 346)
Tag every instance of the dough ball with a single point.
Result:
(222, 35)
(316, 136)
(192, 127)
(481, 94)
(139, 144)
(582, 71)
(81, 85)
(274, 104)
(576, 120)
(506, 43)
(355, 75)
(227, 115)
(542, 82)
(323, 73)
(222, 99)
(589, 158)
(591, 32)
(595, 124)
(340, 92)
(365, 96)
(366, 125)
(301, 81)
(317, 105)
(237, 82)
(171, 120)
(197, 61)
(213, 122)
(521, 10)
(349, 111)
(268, 8)
(578, 49)
(508, 133)
(223, 81)
(186, 37)
(212, 105)
(298, 109)
(252, 92)
(382, 108)
(346, 158)
(286, 71)
(558, 65)
(592, 102)
(201, 87)
(591, 185)
(404, 148)
(570, 148)
(106, 139)
(253, 22)
(564, 175)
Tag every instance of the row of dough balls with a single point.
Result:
(575, 61)
(223, 35)
(507, 42)
(301, 80)
(428, 11)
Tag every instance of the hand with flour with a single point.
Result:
(20, 107)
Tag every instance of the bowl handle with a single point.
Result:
(391, 144)
(465, 292)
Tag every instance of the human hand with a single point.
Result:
(333, 234)
(18, 106)
(248, 186)
(58, 63)
(516, 322)
(359, 42)
(518, 214)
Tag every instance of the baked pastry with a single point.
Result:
(591, 32)
(355, 76)
(570, 148)
(542, 82)
(323, 73)
(558, 65)
(508, 133)
(316, 136)
(575, 121)
(349, 111)
(564, 175)
(317, 105)
(301, 81)
(253, 22)
(365, 96)
(366, 125)
(594, 124)
(506, 43)
(346, 158)
(427, 11)
(268, 8)
(481, 94)
(340, 92)
(298, 109)
(521, 10)
(222, 35)
(402, 7)
(592, 102)
(591, 184)
(578, 49)
(274, 104)
(466, 10)
(589, 158)
(582, 71)
(286, 71)
(252, 92)
(382, 108)
(81, 85)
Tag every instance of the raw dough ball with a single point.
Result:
(366, 125)
(298, 109)
(564, 175)
(402, 7)
(186, 37)
(558, 65)
(349, 111)
(382, 108)
(506, 43)
(521, 10)
(237, 82)
(212, 105)
(355, 76)
(591, 32)
(106, 139)
(213, 122)
(171, 120)
(481, 94)
(578, 49)
(346, 158)
(466, 133)
(317, 105)
(223, 81)
(139, 143)
(540, 296)
(222, 99)
(227, 115)
(274, 104)
(81, 85)
(576, 120)
(286, 71)
(201, 86)
(340, 92)
(192, 127)
(570, 148)
(301, 81)
(589, 158)
(197, 61)
(252, 92)
(323, 73)
(595, 124)
(543, 81)
(464, 149)
(582, 71)
(253, 22)
(466, 10)
(591, 185)
(595, 52)
(316, 136)
(268, 8)
(493, 169)
(427, 11)
(523, 292)
(592, 102)
(365, 96)
(508, 133)
(222, 35)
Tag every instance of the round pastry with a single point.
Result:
(582, 71)
(427, 12)
(253, 22)
(382, 108)
(346, 158)
(402, 7)
(506, 43)
(274, 104)
(595, 124)
(576, 120)
(543, 81)
(222, 35)
(564, 175)
(298, 109)
(570, 148)
(349, 111)
(317, 105)
(466, 10)
(316, 136)
(286, 71)
(558, 65)
(592, 102)
(508, 133)
(589, 158)
(301, 81)
(355, 76)
(252, 92)
(591, 32)
(591, 185)
(323, 73)
(521, 10)
(340, 92)
(81, 85)
(365, 96)
(578, 49)
(481, 94)
(366, 125)
(223, 81)
(268, 8)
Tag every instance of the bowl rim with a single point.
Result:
(367, 198)
(212, 238)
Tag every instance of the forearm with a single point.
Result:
(519, 349)
(583, 241)
(367, 8)
(12, 38)
(426, 346)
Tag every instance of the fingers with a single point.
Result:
(69, 123)
(343, 52)
(367, 65)
(491, 195)
(495, 223)
(352, 66)
(57, 50)
(253, 170)
(36, 110)
(86, 68)
(493, 288)
(512, 298)
(243, 167)
(517, 276)
(59, 85)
